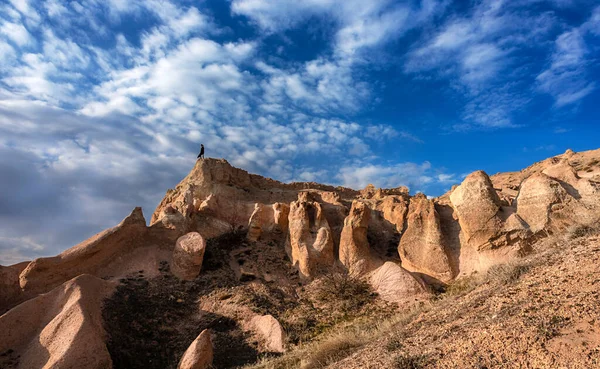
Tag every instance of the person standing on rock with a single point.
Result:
(201, 155)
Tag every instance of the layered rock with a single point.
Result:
(199, 355)
(188, 255)
(60, 329)
(422, 248)
(270, 331)
(310, 238)
(354, 248)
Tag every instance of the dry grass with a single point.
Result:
(340, 342)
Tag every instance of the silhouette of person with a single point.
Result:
(201, 155)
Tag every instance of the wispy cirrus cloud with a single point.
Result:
(478, 53)
(566, 78)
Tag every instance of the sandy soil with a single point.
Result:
(545, 315)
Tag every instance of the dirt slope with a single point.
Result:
(541, 313)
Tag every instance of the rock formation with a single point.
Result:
(538, 197)
(395, 284)
(188, 255)
(200, 353)
(60, 329)
(270, 331)
(477, 206)
(422, 248)
(354, 248)
(86, 258)
(268, 219)
(310, 239)
(401, 244)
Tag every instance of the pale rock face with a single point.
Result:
(395, 284)
(258, 221)
(188, 256)
(476, 204)
(394, 209)
(537, 197)
(354, 246)
(421, 247)
(580, 189)
(87, 257)
(61, 328)
(271, 332)
(310, 239)
(268, 218)
(199, 354)
(172, 219)
(281, 213)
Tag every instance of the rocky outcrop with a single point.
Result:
(86, 258)
(232, 192)
(538, 197)
(268, 219)
(394, 209)
(354, 246)
(188, 255)
(422, 248)
(270, 331)
(394, 284)
(199, 355)
(477, 206)
(310, 238)
(60, 329)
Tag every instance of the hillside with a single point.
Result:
(236, 269)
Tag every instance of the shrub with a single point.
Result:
(344, 289)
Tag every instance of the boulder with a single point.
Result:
(354, 246)
(310, 238)
(270, 331)
(422, 247)
(188, 255)
(477, 204)
(60, 329)
(395, 284)
(199, 355)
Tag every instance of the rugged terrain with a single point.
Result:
(237, 269)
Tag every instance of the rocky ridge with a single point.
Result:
(404, 246)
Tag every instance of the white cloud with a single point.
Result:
(566, 78)
(477, 53)
(412, 175)
(16, 33)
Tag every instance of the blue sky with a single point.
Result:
(103, 104)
